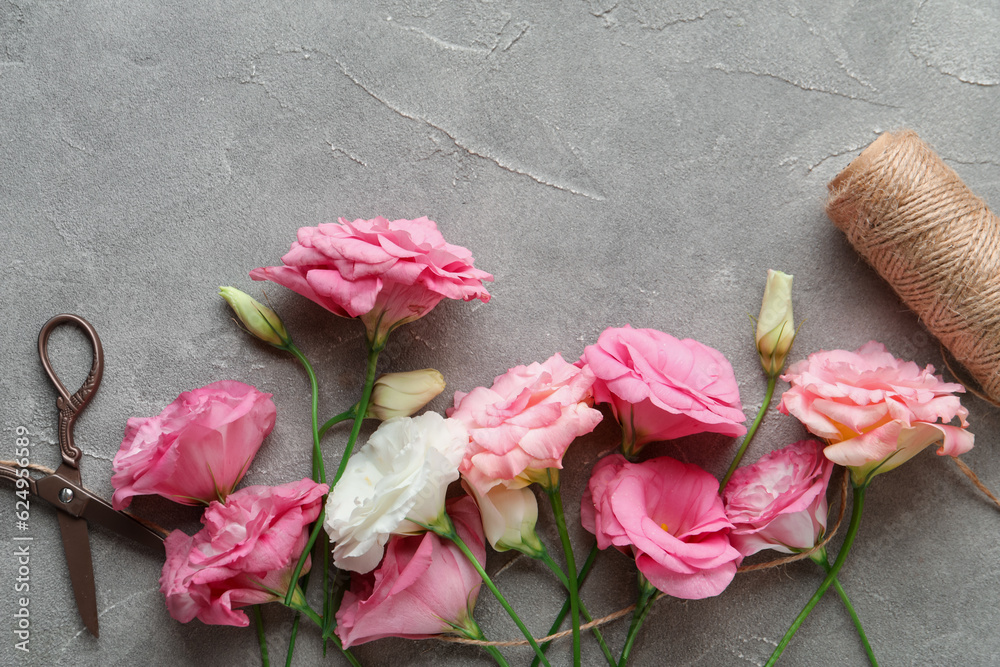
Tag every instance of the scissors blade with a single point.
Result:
(126, 525)
(64, 492)
(76, 543)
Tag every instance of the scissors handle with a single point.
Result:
(70, 406)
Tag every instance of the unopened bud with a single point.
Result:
(259, 320)
(775, 326)
(509, 518)
(402, 394)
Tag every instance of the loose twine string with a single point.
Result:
(938, 245)
(777, 562)
(627, 610)
(31, 466)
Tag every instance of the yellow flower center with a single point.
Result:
(664, 527)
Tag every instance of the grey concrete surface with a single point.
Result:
(610, 162)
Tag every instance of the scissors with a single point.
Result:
(63, 488)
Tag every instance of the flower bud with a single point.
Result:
(259, 320)
(775, 327)
(509, 516)
(402, 394)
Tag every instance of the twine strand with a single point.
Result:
(31, 466)
(777, 562)
(975, 479)
(969, 384)
(559, 635)
(627, 610)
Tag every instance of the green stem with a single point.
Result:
(647, 595)
(554, 567)
(309, 613)
(327, 613)
(318, 474)
(292, 637)
(555, 498)
(750, 434)
(333, 421)
(319, 471)
(318, 526)
(261, 638)
(852, 531)
(446, 529)
(360, 409)
(561, 576)
(295, 627)
(341, 579)
(495, 652)
(346, 651)
(303, 606)
(582, 577)
(820, 558)
(473, 631)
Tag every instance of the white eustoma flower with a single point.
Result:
(401, 473)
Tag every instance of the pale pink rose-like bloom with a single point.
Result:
(198, 449)
(662, 388)
(876, 411)
(423, 586)
(779, 502)
(248, 545)
(669, 517)
(524, 423)
(385, 272)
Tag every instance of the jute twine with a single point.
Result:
(744, 568)
(627, 610)
(937, 244)
(31, 466)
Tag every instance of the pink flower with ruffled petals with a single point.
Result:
(876, 411)
(523, 424)
(198, 449)
(779, 502)
(245, 554)
(385, 272)
(669, 517)
(424, 587)
(661, 388)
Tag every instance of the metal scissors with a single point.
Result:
(63, 488)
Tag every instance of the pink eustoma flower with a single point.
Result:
(385, 272)
(425, 586)
(669, 517)
(195, 451)
(662, 388)
(245, 554)
(876, 411)
(524, 423)
(779, 502)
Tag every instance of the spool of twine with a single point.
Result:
(937, 244)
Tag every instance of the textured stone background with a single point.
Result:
(610, 162)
